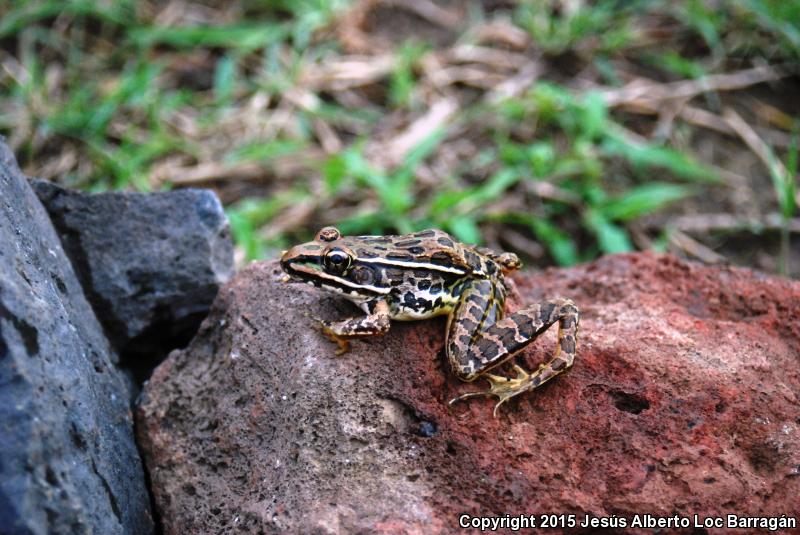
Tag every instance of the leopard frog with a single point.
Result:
(427, 274)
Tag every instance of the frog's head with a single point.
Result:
(329, 263)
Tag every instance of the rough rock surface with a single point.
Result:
(150, 264)
(68, 462)
(683, 400)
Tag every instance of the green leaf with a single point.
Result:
(643, 200)
(558, 242)
(259, 151)
(789, 204)
(675, 63)
(542, 158)
(403, 81)
(647, 155)
(593, 115)
(610, 237)
(224, 80)
(334, 171)
(244, 37)
(465, 229)
(244, 234)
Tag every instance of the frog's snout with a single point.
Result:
(298, 260)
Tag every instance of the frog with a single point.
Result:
(427, 274)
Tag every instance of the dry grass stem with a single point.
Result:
(754, 141)
(645, 90)
(515, 85)
(684, 243)
(501, 59)
(428, 10)
(706, 119)
(727, 223)
(348, 72)
(520, 242)
(295, 216)
(207, 172)
(438, 115)
(504, 33)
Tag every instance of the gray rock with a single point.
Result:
(150, 264)
(68, 461)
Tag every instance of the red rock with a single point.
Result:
(683, 400)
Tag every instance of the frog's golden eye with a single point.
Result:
(337, 260)
(328, 234)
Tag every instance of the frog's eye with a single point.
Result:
(337, 261)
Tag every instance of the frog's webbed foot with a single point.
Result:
(504, 388)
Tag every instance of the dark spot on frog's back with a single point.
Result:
(366, 253)
(447, 242)
(416, 250)
(407, 243)
(375, 239)
(424, 284)
(399, 256)
(436, 288)
(425, 234)
(441, 257)
(473, 260)
(395, 276)
(409, 299)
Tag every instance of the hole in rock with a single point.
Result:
(627, 402)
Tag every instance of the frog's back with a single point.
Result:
(430, 248)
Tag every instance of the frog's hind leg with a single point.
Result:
(493, 344)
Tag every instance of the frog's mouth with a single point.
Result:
(302, 267)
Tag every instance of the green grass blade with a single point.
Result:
(610, 237)
(643, 200)
(648, 155)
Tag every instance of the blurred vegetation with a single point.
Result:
(515, 124)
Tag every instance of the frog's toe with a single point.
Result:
(504, 388)
(327, 329)
(468, 395)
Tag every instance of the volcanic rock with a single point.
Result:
(683, 400)
(68, 462)
(150, 264)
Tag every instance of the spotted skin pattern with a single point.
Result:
(427, 274)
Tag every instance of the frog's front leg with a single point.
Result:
(477, 343)
(374, 323)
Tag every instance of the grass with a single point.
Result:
(296, 112)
